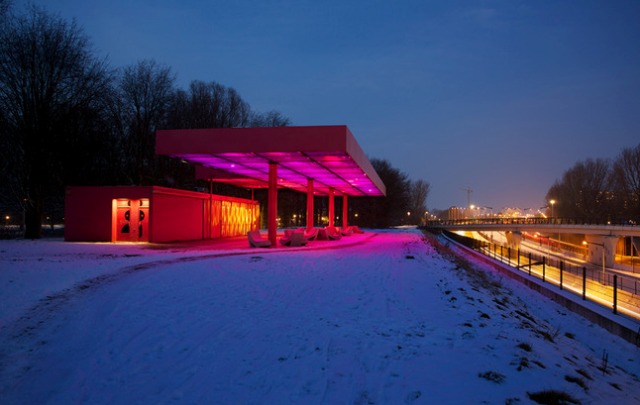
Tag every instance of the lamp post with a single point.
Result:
(552, 202)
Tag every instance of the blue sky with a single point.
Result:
(500, 96)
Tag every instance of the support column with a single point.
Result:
(610, 243)
(345, 211)
(513, 239)
(309, 204)
(272, 203)
(210, 219)
(331, 206)
(601, 249)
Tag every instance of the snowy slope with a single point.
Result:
(385, 321)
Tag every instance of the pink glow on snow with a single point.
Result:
(375, 318)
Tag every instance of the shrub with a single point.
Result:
(584, 374)
(525, 346)
(552, 397)
(492, 376)
(524, 363)
(577, 380)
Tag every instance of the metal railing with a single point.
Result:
(618, 292)
(533, 221)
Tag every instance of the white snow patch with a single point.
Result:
(386, 321)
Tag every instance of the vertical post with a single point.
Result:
(509, 254)
(529, 263)
(331, 205)
(501, 254)
(210, 224)
(272, 203)
(345, 211)
(518, 252)
(584, 283)
(309, 204)
(615, 293)
(561, 269)
(544, 260)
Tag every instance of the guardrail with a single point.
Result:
(11, 232)
(17, 232)
(533, 221)
(615, 291)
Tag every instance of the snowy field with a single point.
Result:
(385, 320)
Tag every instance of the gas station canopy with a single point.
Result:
(327, 155)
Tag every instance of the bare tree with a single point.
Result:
(47, 74)
(418, 200)
(269, 119)
(146, 93)
(209, 105)
(382, 212)
(625, 181)
(236, 110)
(583, 191)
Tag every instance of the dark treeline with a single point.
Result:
(404, 204)
(68, 118)
(600, 189)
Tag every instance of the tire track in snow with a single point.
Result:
(28, 323)
(22, 336)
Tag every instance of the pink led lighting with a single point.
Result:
(329, 156)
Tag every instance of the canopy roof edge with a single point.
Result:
(330, 155)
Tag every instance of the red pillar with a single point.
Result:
(309, 204)
(331, 206)
(345, 211)
(272, 203)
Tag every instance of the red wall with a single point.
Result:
(87, 211)
(176, 217)
(173, 214)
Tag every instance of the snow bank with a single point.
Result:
(388, 320)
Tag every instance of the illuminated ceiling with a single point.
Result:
(329, 155)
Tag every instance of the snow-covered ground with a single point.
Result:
(385, 320)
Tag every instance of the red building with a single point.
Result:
(154, 214)
(316, 160)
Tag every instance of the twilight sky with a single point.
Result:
(500, 96)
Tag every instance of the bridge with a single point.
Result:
(595, 259)
(537, 224)
(601, 238)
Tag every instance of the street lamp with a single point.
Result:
(552, 202)
(584, 242)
